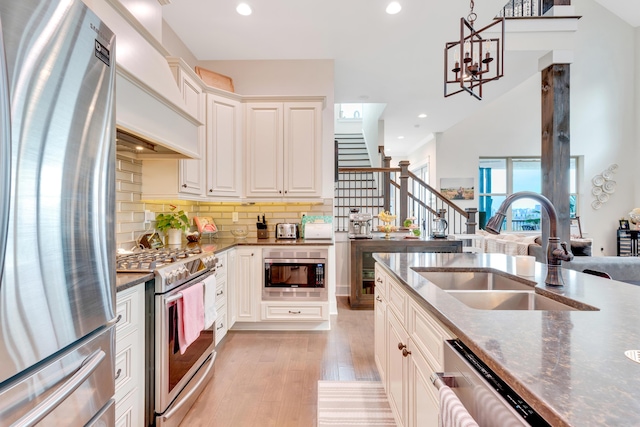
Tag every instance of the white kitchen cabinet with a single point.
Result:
(295, 311)
(129, 360)
(248, 284)
(224, 146)
(284, 149)
(231, 288)
(408, 349)
(221, 275)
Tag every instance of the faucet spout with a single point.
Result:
(556, 251)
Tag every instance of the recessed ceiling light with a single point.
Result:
(393, 8)
(364, 97)
(422, 116)
(244, 9)
(401, 137)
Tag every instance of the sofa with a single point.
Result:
(624, 269)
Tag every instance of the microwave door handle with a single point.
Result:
(5, 152)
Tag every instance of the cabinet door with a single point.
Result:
(264, 149)
(397, 369)
(380, 337)
(302, 149)
(423, 404)
(192, 171)
(248, 285)
(224, 141)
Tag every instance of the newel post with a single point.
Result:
(471, 220)
(404, 189)
(386, 177)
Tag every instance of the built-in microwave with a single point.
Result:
(296, 274)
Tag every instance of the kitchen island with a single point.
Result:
(570, 366)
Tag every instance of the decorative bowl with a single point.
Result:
(239, 232)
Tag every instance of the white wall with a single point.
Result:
(288, 77)
(173, 44)
(373, 130)
(603, 110)
(148, 13)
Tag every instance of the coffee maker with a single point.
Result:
(360, 225)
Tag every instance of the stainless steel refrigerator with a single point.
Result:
(57, 198)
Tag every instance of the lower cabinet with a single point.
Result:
(408, 349)
(248, 285)
(129, 366)
(295, 311)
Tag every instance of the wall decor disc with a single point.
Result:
(597, 180)
(613, 167)
(596, 190)
(609, 187)
(596, 204)
(604, 197)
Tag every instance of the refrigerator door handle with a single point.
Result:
(5, 151)
(52, 402)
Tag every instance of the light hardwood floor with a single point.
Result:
(267, 379)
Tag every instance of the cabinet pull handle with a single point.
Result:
(294, 312)
(184, 185)
(378, 298)
(220, 327)
(401, 346)
(405, 352)
(219, 293)
(118, 372)
(379, 280)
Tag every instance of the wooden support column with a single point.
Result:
(386, 163)
(555, 157)
(404, 189)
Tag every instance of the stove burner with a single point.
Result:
(149, 260)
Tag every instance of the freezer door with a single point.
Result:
(69, 390)
(58, 280)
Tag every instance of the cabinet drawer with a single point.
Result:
(221, 327)
(397, 300)
(128, 306)
(221, 266)
(221, 294)
(124, 369)
(428, 335)
(129, 411)
(294, 312)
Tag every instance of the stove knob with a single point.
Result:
(170, 277)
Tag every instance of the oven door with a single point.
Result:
(294, 273)
(173, 370)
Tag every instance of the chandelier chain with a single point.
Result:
(472, 16)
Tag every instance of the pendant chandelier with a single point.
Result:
(475, 59)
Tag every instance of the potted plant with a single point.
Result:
(172, 224)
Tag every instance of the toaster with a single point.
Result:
(286, 230)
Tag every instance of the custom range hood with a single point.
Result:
(150, 110)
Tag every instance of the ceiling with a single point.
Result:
(379, 58)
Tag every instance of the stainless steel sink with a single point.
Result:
(473, 281)
(507, 300)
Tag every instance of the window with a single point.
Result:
(501, 176)
(350, 111)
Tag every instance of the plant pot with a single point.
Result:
(174, 236)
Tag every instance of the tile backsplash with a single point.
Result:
(130, 208)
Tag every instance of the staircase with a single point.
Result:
(354, 188)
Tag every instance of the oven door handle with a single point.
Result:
(173, 298)
(196, 388)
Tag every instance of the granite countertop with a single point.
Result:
(569, 366)
(127, 280)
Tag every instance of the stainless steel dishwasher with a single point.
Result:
(487, 398)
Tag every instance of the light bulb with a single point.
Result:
(244, 9)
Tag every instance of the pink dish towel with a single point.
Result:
(452, 411)
(190, 315)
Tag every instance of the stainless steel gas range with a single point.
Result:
(174, 380)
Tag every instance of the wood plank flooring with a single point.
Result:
(269, 379)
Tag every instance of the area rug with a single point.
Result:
(353, 403)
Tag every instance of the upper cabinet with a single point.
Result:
(284, 149)
(224, 147)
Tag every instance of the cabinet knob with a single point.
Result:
(211, 190)
(401, 346)
(184, 185)
(405, 352)
(280, 191)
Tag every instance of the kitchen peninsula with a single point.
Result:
(569, 365)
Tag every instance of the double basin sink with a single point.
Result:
(484, 290)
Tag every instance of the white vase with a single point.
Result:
(174, 236)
